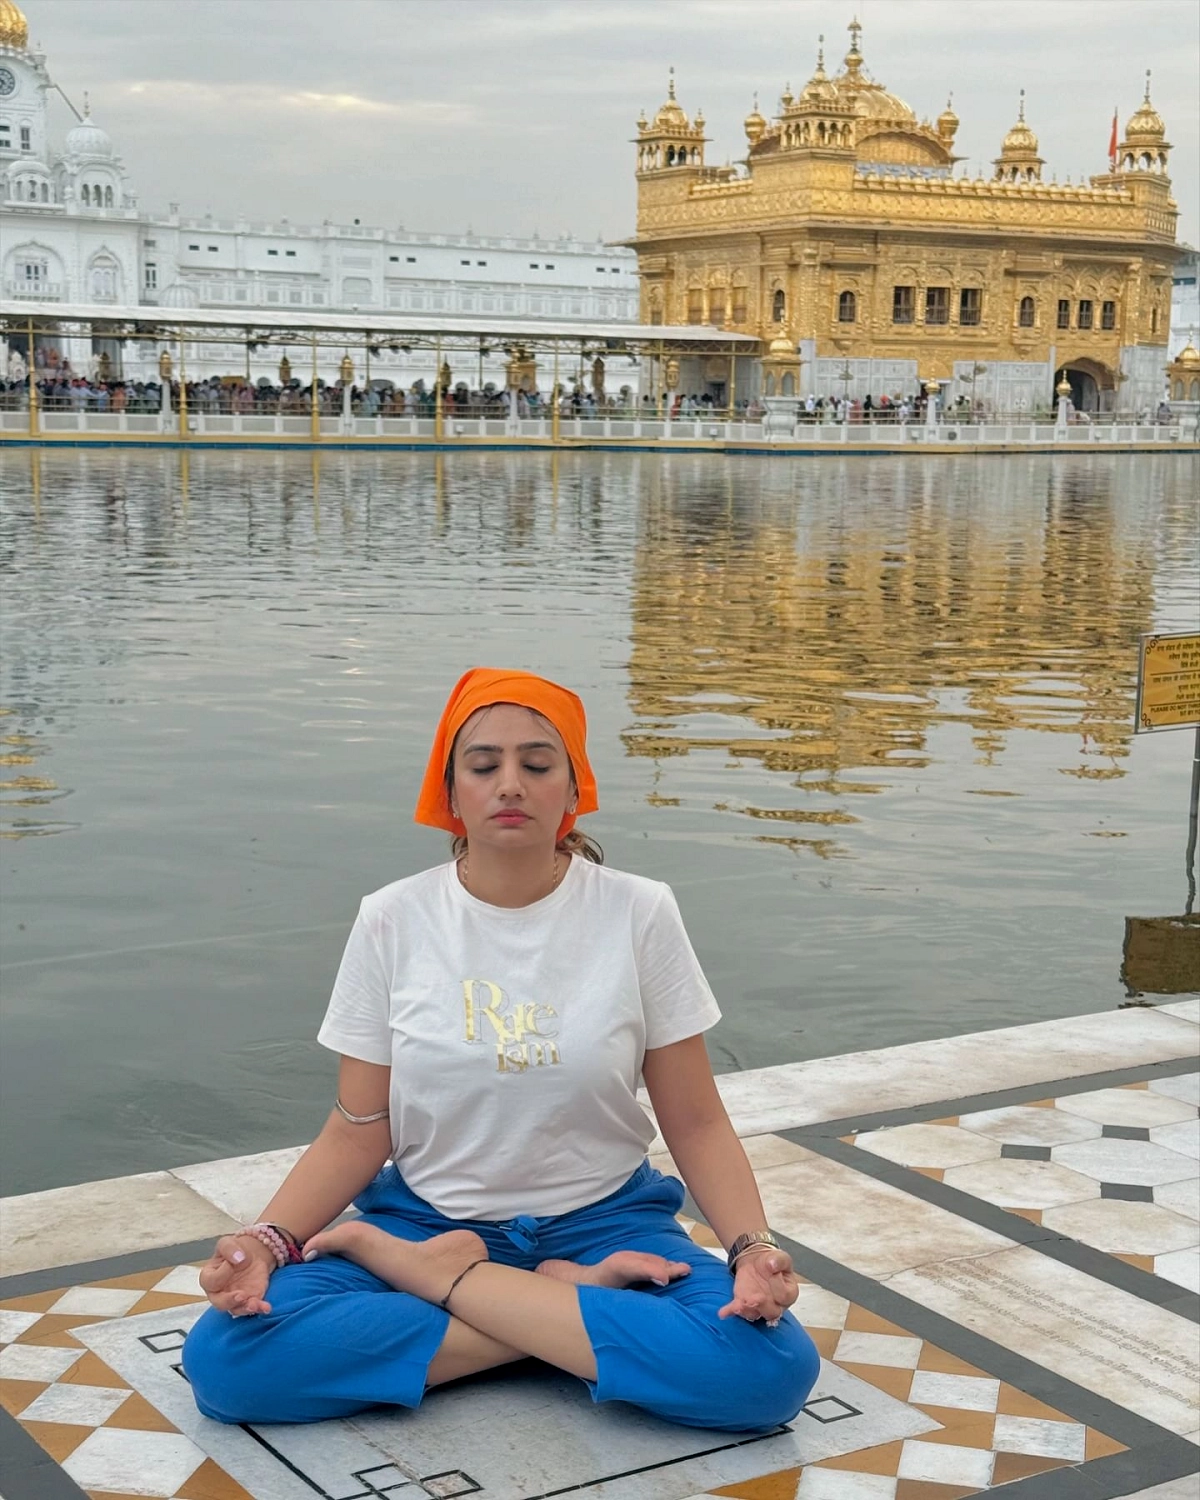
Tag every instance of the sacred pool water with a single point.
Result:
(871, 718)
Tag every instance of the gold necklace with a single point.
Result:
(464, 872)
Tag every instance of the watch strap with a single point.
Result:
(745, 1242)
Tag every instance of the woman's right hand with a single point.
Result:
(235, 1278)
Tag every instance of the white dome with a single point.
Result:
(87, 139)
(179, 294)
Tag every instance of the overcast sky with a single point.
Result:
(515, 115)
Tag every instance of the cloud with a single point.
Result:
(266, 100)
(511, 113)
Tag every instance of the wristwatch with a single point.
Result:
(745, 1241)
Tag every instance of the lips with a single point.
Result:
(514, 818)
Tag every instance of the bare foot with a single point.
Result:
(622, 1269)
(425, 1268)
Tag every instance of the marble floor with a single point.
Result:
(997, 1237)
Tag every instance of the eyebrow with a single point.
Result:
(498, 749)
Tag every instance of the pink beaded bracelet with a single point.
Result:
(285, 1252)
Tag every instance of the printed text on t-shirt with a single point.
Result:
(521, 1030)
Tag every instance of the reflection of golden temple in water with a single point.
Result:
(842, 631)
(21, 788)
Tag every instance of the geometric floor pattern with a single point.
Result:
(974, 1433)
(1115, 1168)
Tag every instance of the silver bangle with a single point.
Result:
(380, 1114)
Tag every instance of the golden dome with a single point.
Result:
(868, 99)
(782, 347)
(1020, 140)
(1145, 125)
(670, 115)
(755, 125)
(947, 121)
(819, 89)
(1188, 356)
(14, 28)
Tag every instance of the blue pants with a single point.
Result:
(338, 1340)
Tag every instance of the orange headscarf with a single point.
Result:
(480, 688)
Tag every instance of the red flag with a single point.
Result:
(1112, 144)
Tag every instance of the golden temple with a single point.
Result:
(845, 240)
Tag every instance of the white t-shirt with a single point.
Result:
(515, 1036)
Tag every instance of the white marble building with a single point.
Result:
(71, 230)
(1185, 301)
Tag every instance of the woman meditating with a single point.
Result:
(493, 1016)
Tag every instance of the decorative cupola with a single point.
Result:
(821, 119)
(86, 141)
(1019, 160)
(1183, 374)
(14, 29)
(947, 123)
(755, 125)
(1145, 147)
(670, 140)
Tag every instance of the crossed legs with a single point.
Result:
(498, 1313)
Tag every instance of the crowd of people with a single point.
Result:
(61, 389)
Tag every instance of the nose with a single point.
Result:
(509, 785)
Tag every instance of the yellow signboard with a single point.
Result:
(1168, 690)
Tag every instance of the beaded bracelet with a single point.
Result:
(285, 1251)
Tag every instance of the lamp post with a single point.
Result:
(346, 375)
(315, 403)
(164, 382)
(1063, 413)
(183, 411)
(437, 392)
(33, 391)
(671, 374)
(845, 375)
(932, 390)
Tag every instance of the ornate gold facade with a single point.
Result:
(846, 230)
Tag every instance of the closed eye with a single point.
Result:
(487, 770)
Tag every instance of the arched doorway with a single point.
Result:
(1092, 384)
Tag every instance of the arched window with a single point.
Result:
(1177, 391)
(1154, 320)
(104, 279)
(1195, 391)
(778, 306)
(821, 133)
(45, 192)
(788, 385)
(670, 156)
(1026, 312)
(108, 197)
(695, 305)
(847, 307)
(769, 384)
(1144, 161)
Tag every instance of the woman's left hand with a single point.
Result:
(764, 1286)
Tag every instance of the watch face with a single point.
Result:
(8, 83)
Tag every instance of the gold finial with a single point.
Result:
(950, 99)
(821, 51)
(1147, 99)
(87, 105)
(671, 83)
(855, 30)
(1021, 110)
